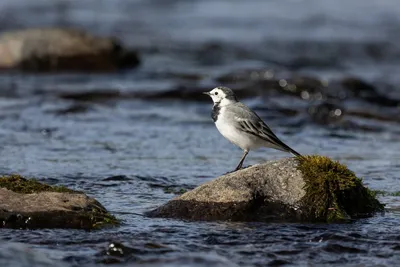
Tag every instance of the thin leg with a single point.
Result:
(239, 166)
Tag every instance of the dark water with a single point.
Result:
(133, 137)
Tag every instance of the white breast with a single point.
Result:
(243, 140)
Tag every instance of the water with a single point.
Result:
(142, 139)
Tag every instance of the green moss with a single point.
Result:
(101, 219)
(176, 191)
(19, 184)
(333, 192)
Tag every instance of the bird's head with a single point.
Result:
(222, 95)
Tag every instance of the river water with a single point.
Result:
(136, 138)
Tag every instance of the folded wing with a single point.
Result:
(255, 126)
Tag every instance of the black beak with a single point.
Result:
(206, 93)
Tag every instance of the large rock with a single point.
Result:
(62, 50)
(28, 204)
(313, 188)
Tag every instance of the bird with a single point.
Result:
(241, 125)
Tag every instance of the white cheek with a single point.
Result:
(225, 102)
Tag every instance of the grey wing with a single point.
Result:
(249, 122)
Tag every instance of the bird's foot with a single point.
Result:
(237, 169)
(246, 167)
(230, 172)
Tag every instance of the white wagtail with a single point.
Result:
(242, 126)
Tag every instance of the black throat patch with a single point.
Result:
(215, 111)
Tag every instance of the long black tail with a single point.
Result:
(266, 134)
(282, 146)
(287, 148)
(295, 153)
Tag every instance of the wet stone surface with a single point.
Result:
(29, 204)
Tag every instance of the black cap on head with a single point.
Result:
(228, 92)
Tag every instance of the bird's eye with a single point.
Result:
(216, 93)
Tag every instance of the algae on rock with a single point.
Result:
(29, 204)
(333, 192)
(19, 184)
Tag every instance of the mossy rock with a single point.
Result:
(304, 189)
(29, 204)
(19, 184)
(333, 192)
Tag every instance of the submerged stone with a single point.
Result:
(29, 204)
(309, 189)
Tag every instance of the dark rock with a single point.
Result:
(91, 96)
(368, 92)
(28, 204)
(357, 86)
(49, 50)
(312, 188)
